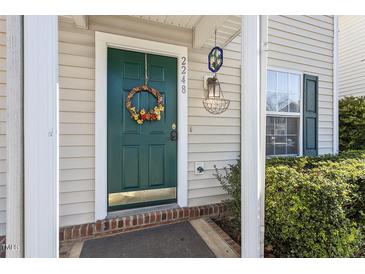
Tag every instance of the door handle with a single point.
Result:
(173, 135)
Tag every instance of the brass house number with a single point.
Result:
(183, 75)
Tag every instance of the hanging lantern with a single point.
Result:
(214, 102)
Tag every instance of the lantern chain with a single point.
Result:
(145, 69)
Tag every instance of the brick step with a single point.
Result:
(139, 221)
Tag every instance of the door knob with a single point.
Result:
(173, 135)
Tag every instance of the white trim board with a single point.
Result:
(41, 143)
(102, 42)
(335, 86)
(253, 93)
(15, 136)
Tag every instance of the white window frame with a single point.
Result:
(289, 114)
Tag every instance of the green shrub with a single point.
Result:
(352, 173)
(306, 162)
(314, 206)
(230, 179)
(348, 166)
(305, 214)
(352, 123)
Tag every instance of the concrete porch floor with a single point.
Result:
(189, 239)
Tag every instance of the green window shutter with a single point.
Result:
(310, 115)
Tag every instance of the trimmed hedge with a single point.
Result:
(352, 123)
(314, 206)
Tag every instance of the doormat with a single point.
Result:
(178, 240)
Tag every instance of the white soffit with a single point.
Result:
(182, 21)
(226, 31)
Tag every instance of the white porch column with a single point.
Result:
(253, 101)
(14, 138)
(335, 86)
(41, 136)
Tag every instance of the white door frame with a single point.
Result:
(102, 42)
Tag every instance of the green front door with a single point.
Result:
(142, 159)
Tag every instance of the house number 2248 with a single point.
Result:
(183, 74)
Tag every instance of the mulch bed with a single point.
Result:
(227, 227)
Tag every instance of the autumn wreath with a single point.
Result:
(141, 115)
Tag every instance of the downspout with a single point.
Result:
(335, 86)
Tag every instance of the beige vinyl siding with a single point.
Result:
(77, 125)
(351, 56)
(2, 125)
(213, 140)
(305, 44)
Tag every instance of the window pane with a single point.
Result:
(282, 102)
(270, 145)
(283, 81)
(294, 103)
(280, 145)
(293, 126)
(294, 93)
(280, 126)
(292, 145)
(271, 80)
(270, 125)
(282, 135)
(294, 83)
(271, 101)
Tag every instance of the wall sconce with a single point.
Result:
(214, 102)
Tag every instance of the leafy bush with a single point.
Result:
(352, 123)
(306, 214)
(314, 205)
(230, 179)
(348, 166)
(306, 162)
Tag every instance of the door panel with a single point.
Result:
(141, 157)
(130, 167)
(157, 165)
